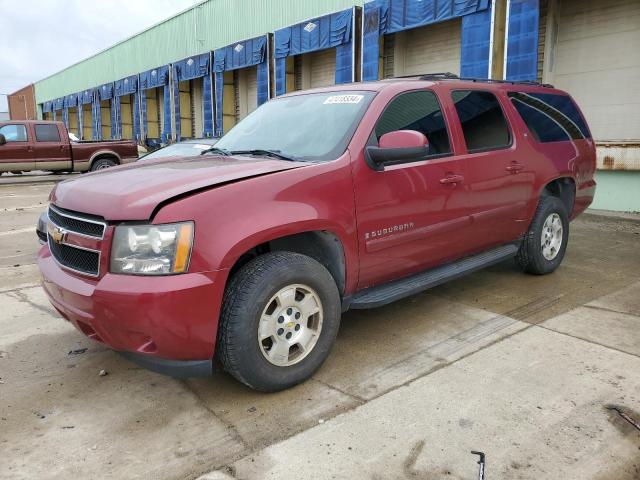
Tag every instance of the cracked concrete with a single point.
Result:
(517, 366)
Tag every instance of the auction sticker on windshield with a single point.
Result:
(343, 99)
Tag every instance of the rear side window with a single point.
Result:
(47, 133)
(550, 118)
(14, 133)
(418, 111)
(482, 120)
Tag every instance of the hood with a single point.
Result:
(132, 192)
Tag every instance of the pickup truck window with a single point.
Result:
(47, 133)
(482, 119)
(307, 127)
(14, 133)
(418, 111)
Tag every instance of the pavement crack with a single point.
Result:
(575, 337)
(357, 398)
(611, 310)
(22, 297)
(228, 425)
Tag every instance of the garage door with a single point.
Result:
(322, 68)
(597, 61)
(430, 49)
(252, 89)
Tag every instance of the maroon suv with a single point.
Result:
(320, 201)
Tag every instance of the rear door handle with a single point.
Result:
(515, 167)
(451, 179)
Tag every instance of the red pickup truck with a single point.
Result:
(319, 201)
(40, 145)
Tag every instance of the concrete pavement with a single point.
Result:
(517, 366)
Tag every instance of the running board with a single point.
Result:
(397, 289)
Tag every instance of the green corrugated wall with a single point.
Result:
(206, 26)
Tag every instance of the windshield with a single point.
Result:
(315, 126)
(180, 150)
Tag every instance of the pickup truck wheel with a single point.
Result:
(544, 245)
(279, 319)
(103, 163)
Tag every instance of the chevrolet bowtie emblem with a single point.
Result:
(57, 234)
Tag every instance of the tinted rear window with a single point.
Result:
(47, 133)
(546, 113)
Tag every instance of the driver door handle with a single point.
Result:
(451, 179)
(515, 167)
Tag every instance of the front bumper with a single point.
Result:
(167, 323)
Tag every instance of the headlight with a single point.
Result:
(152, 249)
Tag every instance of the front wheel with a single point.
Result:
(279, 319)
(545, 243)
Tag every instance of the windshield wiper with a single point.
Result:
(220, 151)
(265, 153)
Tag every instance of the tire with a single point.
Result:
(250, 297)
(540, 257)
(103, 163)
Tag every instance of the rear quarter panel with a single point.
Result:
(550, 161)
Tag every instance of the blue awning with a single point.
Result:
(389, 16)
(58, 103)
(240, 55)
(71, 100)
(126, 86)
(47, 107)
(316, 34)
(105, 92)
(192, 67)
(86, 96)
(248, 53)
(156, 77)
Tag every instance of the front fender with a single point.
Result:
(232, 219)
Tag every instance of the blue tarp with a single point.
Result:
(126, 86)
(388, 16)
(71, 100)
(197, 66)
(240, 55)
(476, 45)
(105, 92)
(96, 117)
(192, 67)
(58, 103)
(329, 31)
(522, 41)
(156, 77)
(86, 96)
(47, 107)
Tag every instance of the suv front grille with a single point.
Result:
(76, 258)
(80, 225)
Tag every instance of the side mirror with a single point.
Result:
(397, 147)
(3, 139)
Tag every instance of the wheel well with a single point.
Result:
(322, 246)
(110, 156)
(564, 189)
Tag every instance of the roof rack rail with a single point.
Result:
(453, 76)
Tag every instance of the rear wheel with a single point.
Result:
(102, 163)
(545, 243)
(279, 319)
